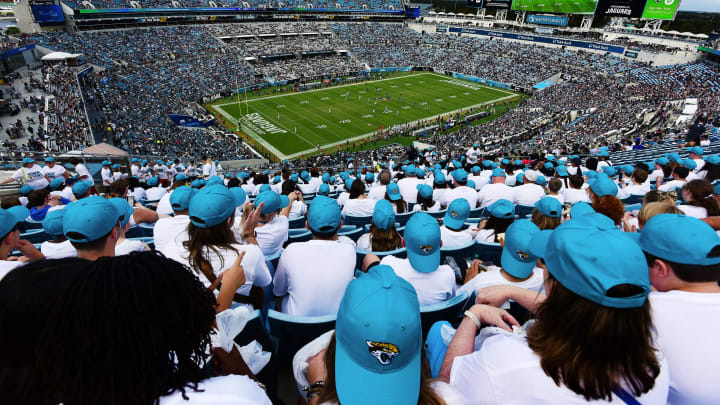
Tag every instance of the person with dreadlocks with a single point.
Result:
(135, 329)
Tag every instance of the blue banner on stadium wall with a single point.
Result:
(545, 40)
(189, 121)
(391, 69)
(47, 12)
(86, 72)
(412, 12)
(557, 20)
(16, 51)
(480, 80)
(488, 3)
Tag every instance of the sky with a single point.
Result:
(700, 5)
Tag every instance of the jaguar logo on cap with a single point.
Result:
(383, 352)
(522, 255)
(426, 248)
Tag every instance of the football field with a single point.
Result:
(556, 6)
(293, 124)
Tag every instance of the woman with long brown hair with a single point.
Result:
(602, 192)
(211, 247)
(700, 202)
(383, 236)
(592, 338)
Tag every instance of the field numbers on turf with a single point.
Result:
(439, 100)
(345, 121)
(467, 94)
(422, 103)
(305, 102)
(394, 87)
(453, 96)
(281, 106)
(421, 81)
(325, 98)
(406, 107)
(367, 116)
(362, 92)
(408, 84)
(323, 126)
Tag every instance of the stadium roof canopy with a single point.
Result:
(60, 56)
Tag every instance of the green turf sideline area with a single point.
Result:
(290, 125)
(556, 6)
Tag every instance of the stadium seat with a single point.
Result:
(359, 221)
(523, 210)
(150, 241)
(290, 332)
(633, 199)
(488, 252)
(360, 255)
(403, 218)
(297, 223)
(268, 296)
(633, 207)
(255, 331)
(35, 236)
(463, 252)
(437, 214)
(477, 213)
(299, 235)
(449, 310)
(140, 231)
(353, 234)
(32, 224)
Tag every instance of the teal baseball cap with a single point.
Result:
(240, 196)
(211, 206)
(476, 169)
(369, 177)
(160, 162)
(604, 154)
(581, 208)
(180, 198)
(627, 169)
(393, 191)
(28, 160)
(152, 181)
(602, 185)
(516, 258)
(214, 180)
(439, 178)
(124, 210)
(422, 240)
(264, 188)
(198, 183)
(590, 174)
(11, 217)
(698, 150)
(550, 207)
(548, 165)
(410, 170)
(135, 160)
(691, 241)
(498, 172)
(520, 178)
(689, 163)
(505, 161)
(420, 173)
(383, 215)
(460, 175)
(324, 215)
(26, 189)
(326, 177)
(273, 201)
(541, 180)
(561, 170)
(378, 334)
(457, 212)
(57, 183)
(294, 177)
(519, 163)
(49, 159)
(324, 189)
(662, 161)
(69, 166)
(80, 188)
(116, 166)
(609, 171)
(181, 177)
(106, 163)
(425, 191)
(52, 224)
(89, 219)
(713, 159)
(502, 208)
(589, 256)
(471, 184)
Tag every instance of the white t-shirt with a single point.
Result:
(506, 371)
(58, 250)
(106, 175)
(573, 195)
(342, 198)
(229, 390)
(272, 236)
(155, 193)
(465, 192)
(672, 185)
(472, 155)
(139, 194)
(494, 192)
(170, 231)
(297, 209)
(431, 288)
(163, 206)
(312, 276)
(209, 170)
(7, 266)
(32, 176)
(634, 189)
(435, 208)
(693, 211)
(452, 239)
(82, 172)
(494, 277)
(687, 333)
(128, 246)
(377, 192)
(408, 188)
(256, 271)
(528, 194)
(359, 207)
(55, 172)
(161, 171)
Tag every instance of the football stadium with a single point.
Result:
(359, 202)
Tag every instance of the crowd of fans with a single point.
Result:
(331, 4)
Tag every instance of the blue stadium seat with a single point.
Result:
(358, 221)
(268, 297)
(255, 330)
(297, 223)
(449, 310)
(360, 255)
(353, 234)
(32, 224)
(293, 332)
(633, 199)
(437, 214)
(523, 210)
(477, 213)
(403, 218)
(488, 252)
(141, 230)
(463, 252)
(299, 235)
(35, 236)
(150, 241)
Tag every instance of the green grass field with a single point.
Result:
(293, 124)
(556, 6)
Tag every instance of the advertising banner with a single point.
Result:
(557, 20)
